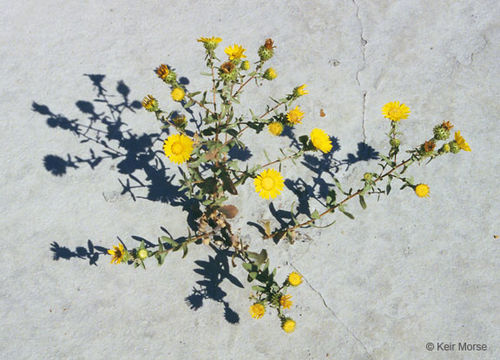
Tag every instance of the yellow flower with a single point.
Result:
(321, 140)
(300, 90)
(150, 103)
(270, 74)
(461, 142)
(295, 116)
(210, 43)
(117, 254)
(162, 71)
(235, 52)
(395, 111)
(285, 301)
(275, 128)
(269, 183)
(288, 325)
(178, 94)
(178, 148)
(422, 190)
(295, 279)
(212, 39)
(257, 310)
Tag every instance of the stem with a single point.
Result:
(200, 104)
(329, 210)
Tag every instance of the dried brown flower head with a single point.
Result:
(447, 125)
(429, 146)
(269, 44)
(227, 67)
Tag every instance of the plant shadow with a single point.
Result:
(214, 272)
(142, 171)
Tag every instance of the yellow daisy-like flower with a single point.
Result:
(288, 325)
(295, 279)
(300, 90)
(212, 39)
(269, 183)
(395, 111)
(321, 140)
(422, 190)
(275, 128)
(178, 94)
(235, 52)
(178, 148)
(117, 254)
(295, 116)
(285, 301)
(461, 142)
(257, 310)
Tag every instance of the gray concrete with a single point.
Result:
(406, 272)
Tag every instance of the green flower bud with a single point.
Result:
(265, 53)
(395, 142)
(454, 148)
(440, 133)
(245, 65)
(142, 254)
(171, 77)
(368, 176)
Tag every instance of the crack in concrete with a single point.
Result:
(333, 312)
(362, 67)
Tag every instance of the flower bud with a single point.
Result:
(142, 254)
(454, 148)
(150, 103)
(245, 65)
(270, 74)
(395, 142)
(441, 133)
(228, 71)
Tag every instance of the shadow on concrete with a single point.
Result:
(143, 174)
(214, 272)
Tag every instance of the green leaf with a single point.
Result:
(343, 210)
(315, 215)
(388, 189)
(184, 250)
(258, 288)
(253, 275)
(304, 139)
(247, 266)
(331, 198)
(337, 183)
(259, 258)
(362, 201)
(169, 241)
(194, 93)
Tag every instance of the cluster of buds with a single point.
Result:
(442, 132)
(275, 296)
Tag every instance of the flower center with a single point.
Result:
(396, 112)
(267, 183)
(176, 148)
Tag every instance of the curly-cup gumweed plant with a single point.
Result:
(209, 176)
